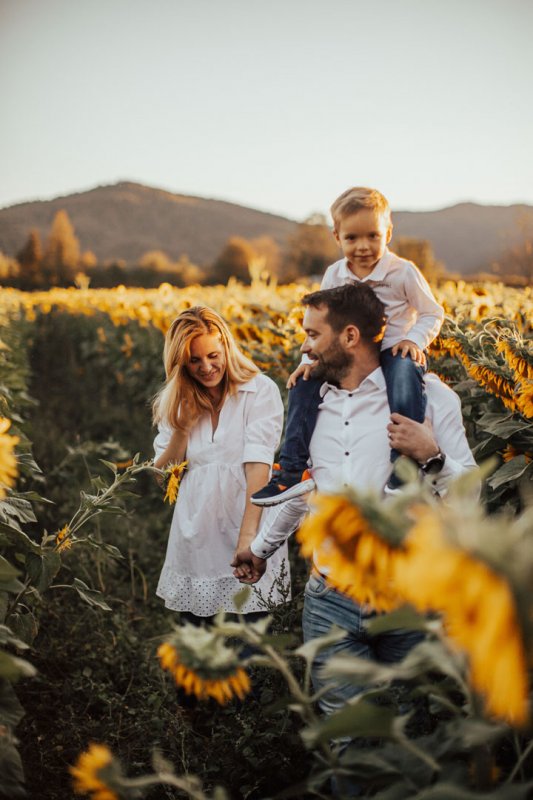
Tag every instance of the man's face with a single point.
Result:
(322, 345)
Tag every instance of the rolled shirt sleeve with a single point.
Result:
(444, 411)
(263, 423)
(277, 524)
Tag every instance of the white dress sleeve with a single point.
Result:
(263, 422)
(162, 439)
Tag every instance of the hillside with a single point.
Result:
(125, 220)
(466, 237)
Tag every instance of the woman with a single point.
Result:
(217, 411)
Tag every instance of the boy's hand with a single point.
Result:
(301, 369)
(408, 348)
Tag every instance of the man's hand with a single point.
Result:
(301, 369)
(414, 439)
(249, 568)
(408, 348)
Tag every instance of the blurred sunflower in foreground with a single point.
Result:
(357, 542)
(448, 558)
(202, 664)
(90, 770)
(479, 609)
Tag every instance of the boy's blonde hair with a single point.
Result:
(356, 199)
(179, 384)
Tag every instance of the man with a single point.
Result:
(350, 446)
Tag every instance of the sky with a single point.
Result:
(277, 105)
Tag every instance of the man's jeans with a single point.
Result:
(405, 387)
(325, 607)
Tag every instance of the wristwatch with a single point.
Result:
(434, 464)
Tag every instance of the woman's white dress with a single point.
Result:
(197, 576)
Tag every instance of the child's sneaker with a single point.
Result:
(283, 486)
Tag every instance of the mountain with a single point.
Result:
(125, 220)
(467, 237)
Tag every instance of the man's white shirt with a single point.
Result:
(350, 447)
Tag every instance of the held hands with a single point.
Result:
(414, 439)
(249, 568)
(408, 348)
(301, 369)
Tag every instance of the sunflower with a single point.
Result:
(524, 400)
(202, 664)
(479, 612)
(173, 477)
(87, 770)
(518, 357)
(8, 462)
(63, 541)
(359, 561)
(510, 451)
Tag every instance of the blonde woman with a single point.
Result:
(220, 413)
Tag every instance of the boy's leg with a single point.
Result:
(286, 480)
(405, 391)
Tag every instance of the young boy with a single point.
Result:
(363, 229)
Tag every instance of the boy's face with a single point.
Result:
(363, 237)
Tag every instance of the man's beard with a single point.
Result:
(332, 365)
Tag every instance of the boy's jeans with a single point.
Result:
(405, 387)
(405, 392)
(304, 399)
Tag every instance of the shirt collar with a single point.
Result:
(249, 386)
(375, 378)
(377, 274)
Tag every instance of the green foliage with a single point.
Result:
(90, 615)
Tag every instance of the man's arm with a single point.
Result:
(276, 527)
(442, 431)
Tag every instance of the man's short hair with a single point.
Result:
(352, 304)
(357, 198)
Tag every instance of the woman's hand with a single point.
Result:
(188, 416)
(301, 369)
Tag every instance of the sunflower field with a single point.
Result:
(103, 695)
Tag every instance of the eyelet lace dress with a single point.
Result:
(196, 575)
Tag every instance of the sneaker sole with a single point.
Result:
(304, 487)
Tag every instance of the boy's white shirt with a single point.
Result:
(412, 311)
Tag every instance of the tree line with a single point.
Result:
(59, 261)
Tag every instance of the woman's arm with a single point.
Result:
(174, 453)
(256, 477)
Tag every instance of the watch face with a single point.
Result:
(434, 465)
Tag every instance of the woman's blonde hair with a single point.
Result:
(179, 385)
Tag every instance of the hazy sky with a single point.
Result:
(275, 104)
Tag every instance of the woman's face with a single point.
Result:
(207, 363)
